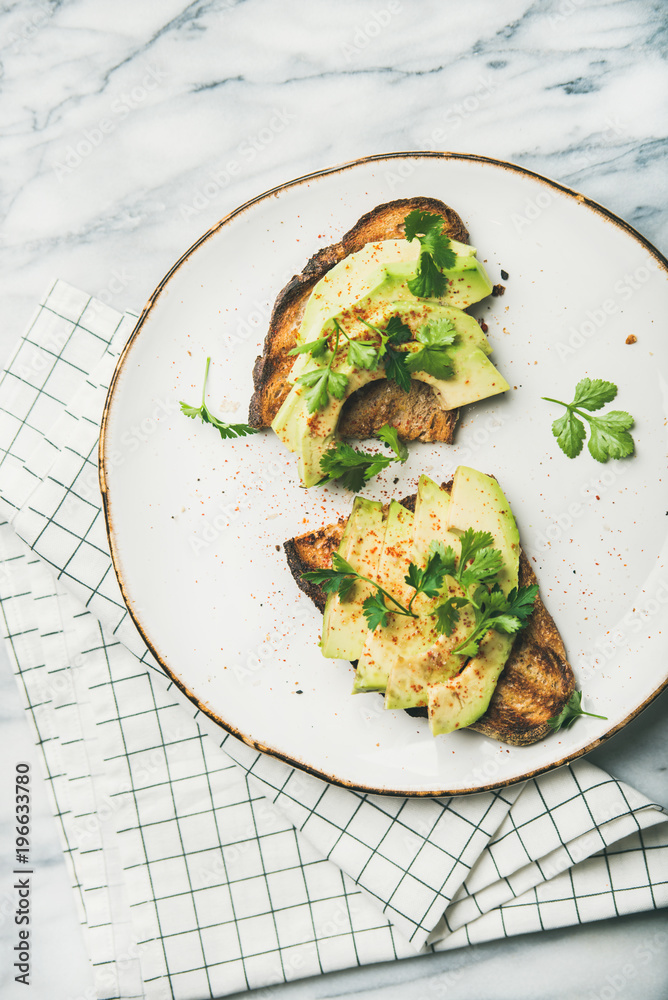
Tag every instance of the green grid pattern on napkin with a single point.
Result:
(201, 866)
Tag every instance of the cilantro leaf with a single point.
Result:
(571, 711)
(427, 581)
(341, 578)
(350, 467)
(375, 611)
(315, 347)
(570, 434)
(320, 383)
(396, 368)
(448, 557)
(610, 437)
(438, 333)
(505, 623)
(362, 354)
(486, 564)
(609, 434)
(337, 384)
(521, 601)
(390, 436)
(433, 357)
(447, 614)
(472, 542)
(436, 253)
(397, 331)
(316, 382)
(207, 417)
(592, 395)
(429, 282)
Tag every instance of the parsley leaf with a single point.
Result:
(315, 347)
(592, 395)
(436, 253)
(207, 417)
(375, 611)
(390, 436)
(472, 542)
(570, 434)
(609, 434)
(433, 356)
(476, 571)
(447, 614)
(350, 467)
(396, 331)
(571, 711)
(362, 354)
(427, 581)
(396, 368)
(341, 578)
(492, 610)
(322, 382)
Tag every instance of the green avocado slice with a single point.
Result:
(344, 626)
(461, 700)
(383, 270)
(381, 646)
(477, 500)
(415, 669)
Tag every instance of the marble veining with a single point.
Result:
(127, 130)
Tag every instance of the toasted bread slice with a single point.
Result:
(537, 679)
(416, 415)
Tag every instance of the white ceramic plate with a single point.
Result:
(196, 525)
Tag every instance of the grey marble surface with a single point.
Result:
(127, 129)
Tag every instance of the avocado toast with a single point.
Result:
(354, 345)
(508, 689)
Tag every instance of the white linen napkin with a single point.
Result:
(201, 866)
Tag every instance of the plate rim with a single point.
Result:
(106, 499)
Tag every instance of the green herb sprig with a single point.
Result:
(395, 362)
(207, 417)
(341, 579)
(322, 382)
(478, 565)
(434, 357)
(436, 253)
(476, 571)
(353, 468)
(571, 711)
(609, 434)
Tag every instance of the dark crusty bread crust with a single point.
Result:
(416, 415)
(537, 680)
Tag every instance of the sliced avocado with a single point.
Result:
(461, 700)
(468, 282)
(383, 269)
(478, 501)
(381, 646)
(474, 376)
(428, 661)
(430, 519)
(344, 627)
